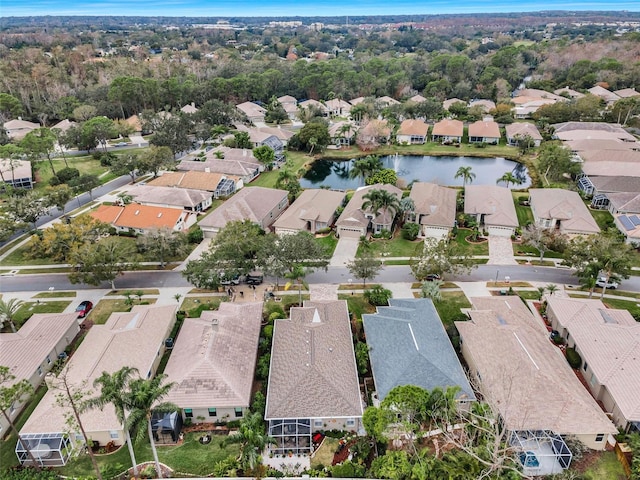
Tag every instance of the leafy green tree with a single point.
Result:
(410, 231)
(162, 243)
(264, 154)
(378, 296)
(440, 257)
(317, 130)
(253, 439)
(384, 176)
(8, 310)
(10, 156)
(12, 393)
(275, 112)
(509, 178)
(127, 164)
(288, 181)
(40, 143)
(10, 107)
(242, 140)
(85, 183)
(97, 131)
(554, 161)
(113, 390)
(100, 262)
(172, 132)
(362, 357)
(156, 158)
(27, 207)
(145, 397)
(394, 465)
(58, 196)
(365, 266)
(375, 421)
(9, 226)
(466, 174)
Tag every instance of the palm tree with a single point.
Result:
(509, 178)
(551, 288)
(365, 167)
(8, 310)
(114, 389)
(466, 174)
(253, 440)
(143, 398)
(380, 200)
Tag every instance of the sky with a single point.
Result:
(272, 8)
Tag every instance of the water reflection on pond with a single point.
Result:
(440, 170)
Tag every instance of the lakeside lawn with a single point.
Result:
(269, 178)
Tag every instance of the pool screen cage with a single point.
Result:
(48, 449)
(541, 451)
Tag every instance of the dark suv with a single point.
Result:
(254, 279)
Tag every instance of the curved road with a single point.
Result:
(390, 274)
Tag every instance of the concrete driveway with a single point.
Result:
(345, 251)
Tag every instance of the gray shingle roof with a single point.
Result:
(409, 346)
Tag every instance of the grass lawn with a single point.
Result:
(602, 217)
(105, 307)
(8, 457)
(190, 457)
(268, 179)
(629, 305)
(471, 248)
(145, 291)
(190, 303)
(20, 256)
(607, 467)
(86, 164)
(520, 249)
(525, 215)
(324, 455)
(29, 308)
(55, 294)
(395, 247)
(528, 294)
(329, 242)
(357, 304)
(449, 307)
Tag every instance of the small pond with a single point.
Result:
(441, 170)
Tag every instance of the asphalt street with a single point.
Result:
(390, 274)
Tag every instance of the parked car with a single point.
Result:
(432, 277)
(602, 282)
(121, 144)
(230, 280)
(84, 308)
(254, 279)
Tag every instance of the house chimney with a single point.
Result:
(214, 324)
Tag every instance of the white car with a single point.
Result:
(602, 282)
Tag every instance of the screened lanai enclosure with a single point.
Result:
(541, 452)
(291, 435)
(48, 449)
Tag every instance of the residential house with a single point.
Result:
(133, 339)
(357, 101)
(64, 125)
(313, 381)
(33, 350)
(627, 93)
(447, 131)
(190, 200)
(408, 345)
(485, 105)
(16, 173)
(134, 122)
(260, 138)
(221, 185)
(282, 134)
(607, 163)
(235, 162)
(591, 131)
(213, 361)
(417, 99)
(517, 131)
(375, 132)
(527, 378)
(290, 105)
(526, 107)
(447, 103)
(484, 131)
(307, 104)
(259, 204)
(568, 92)
(140, 219)
(338, 107)
(493, 208)
(387, 101)
(561, 210)
(313, 210)
(607, 95)
(629, 227)
(17, 129)
(342, 133)
(412, 132)
(189, 109)
(434, 209)
(355, 221)
(253, 111)
(608, 342)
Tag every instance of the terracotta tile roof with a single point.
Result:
(527, 379)
(447, 103)
(487, 105)
(611, 162)
(23, 352)
(417, 99)
(191, 179)
(214, 357)
(448, 128)
(251, 109)
(627, 93)
(353, 215)
(130, 339)
(107, 213)
(135, 215)
(496, 203)
(563, 205)
(603, 93)
(413, 127)
(64, 125)
(135, 123)
(484, 128)
(435, 204)
(609, 341)
(522, 129)
(179, 197)
(313, 371)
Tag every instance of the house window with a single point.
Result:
(113, 434)
(599, 437)
(188, 413)
(79, 437)
(584, 367)
(48, 360)
(238, 411)
(592, 380)
(351, 422)
(40, 371)
(318, 423)
(213, 412)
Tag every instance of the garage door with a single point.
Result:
(350, 232)
(500, 231)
